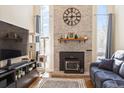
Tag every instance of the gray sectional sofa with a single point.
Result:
(109, 73)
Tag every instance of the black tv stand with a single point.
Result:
(15, 65)
(2, 71)
(18, 75)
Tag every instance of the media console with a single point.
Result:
(18, 75)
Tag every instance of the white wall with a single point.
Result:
(20, 15)
(119, 25)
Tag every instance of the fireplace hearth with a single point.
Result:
(72, 62)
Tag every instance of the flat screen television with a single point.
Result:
(13, 41)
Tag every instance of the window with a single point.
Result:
(45, 28)
(45, 21)
(45, 34)
(102, 23)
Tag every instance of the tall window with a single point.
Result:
(45, 40)
(102, 23)
(45, 28)
(45, 21)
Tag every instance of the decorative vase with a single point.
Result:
(19, 76)
(76, 36)
(71, 35)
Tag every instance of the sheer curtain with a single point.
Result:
(101, 33)
(102, 26)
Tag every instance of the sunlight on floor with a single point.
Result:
(46, 75)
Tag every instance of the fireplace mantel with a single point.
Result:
(72, 39)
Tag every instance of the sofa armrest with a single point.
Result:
(94, 64)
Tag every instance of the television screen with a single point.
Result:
(13, 41)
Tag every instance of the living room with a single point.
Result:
(58, 44)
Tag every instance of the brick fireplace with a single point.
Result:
(84, 27)
(71, 62)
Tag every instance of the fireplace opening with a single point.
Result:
(72, 62)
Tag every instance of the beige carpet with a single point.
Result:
(62, 83)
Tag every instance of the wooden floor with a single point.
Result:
(88, 82)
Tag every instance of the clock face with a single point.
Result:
(72, 16)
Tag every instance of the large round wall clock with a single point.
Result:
(72, 16)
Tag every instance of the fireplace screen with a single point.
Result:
(72, 65)
(72, 62)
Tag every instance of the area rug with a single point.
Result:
(62, 83)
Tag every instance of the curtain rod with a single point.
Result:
(103, 14)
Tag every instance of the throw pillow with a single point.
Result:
(106, 64)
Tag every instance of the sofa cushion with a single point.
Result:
(120, 83)
(119, 55)
(102, 76)
(106, 64)
(109, 84)
(121, 70)
(116, 65)
(113, 84)
(93, 71)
